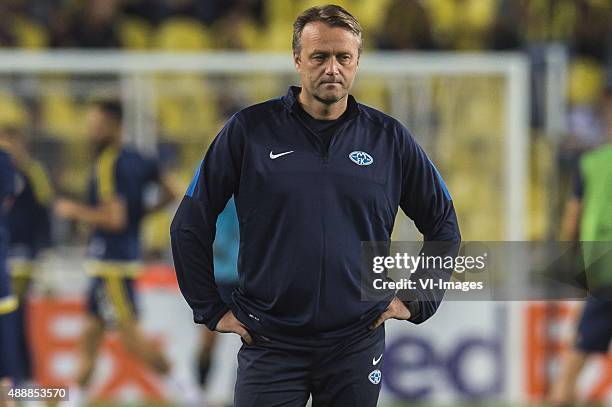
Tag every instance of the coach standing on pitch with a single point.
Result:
(314, 174)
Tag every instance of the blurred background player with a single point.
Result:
(225, 250)
(114, 210)
(29, 231)
(8, 302)
(588, 218)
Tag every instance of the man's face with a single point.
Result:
(102, 128)
(327, 62)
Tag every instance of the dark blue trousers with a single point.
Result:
(273, 374)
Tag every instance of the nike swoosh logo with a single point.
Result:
(375, 361)
(275, 156)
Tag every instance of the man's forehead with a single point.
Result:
(321, 36)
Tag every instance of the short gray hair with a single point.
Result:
(333, 16)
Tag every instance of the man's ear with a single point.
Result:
(296, 61)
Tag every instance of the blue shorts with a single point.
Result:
(112, 299)
(21, 271)
(595, 326)
(8, 323)
(8, 345)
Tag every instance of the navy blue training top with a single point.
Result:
(29, 218)
(304, 211)
(7, 184)
(7, 191)
(123, 173)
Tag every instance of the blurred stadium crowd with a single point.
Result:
(51, 110)
(262, 24)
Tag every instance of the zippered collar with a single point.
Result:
(290, 101)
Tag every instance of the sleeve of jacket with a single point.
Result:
(7, 178)
(426, 200)
(194, 225)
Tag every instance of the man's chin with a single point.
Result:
(329, 98)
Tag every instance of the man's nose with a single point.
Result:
(332, 67)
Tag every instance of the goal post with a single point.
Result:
(469, 111)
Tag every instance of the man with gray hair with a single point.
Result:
(313, 174)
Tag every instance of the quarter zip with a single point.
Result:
(324, 151)
(333, 137)
(311, 133)
(291, 102)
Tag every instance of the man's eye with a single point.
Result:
(318, 57)
(345, 58)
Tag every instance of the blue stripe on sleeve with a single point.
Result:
(446, 193)
(194, 181)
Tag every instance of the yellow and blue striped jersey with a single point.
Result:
(121, 173)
